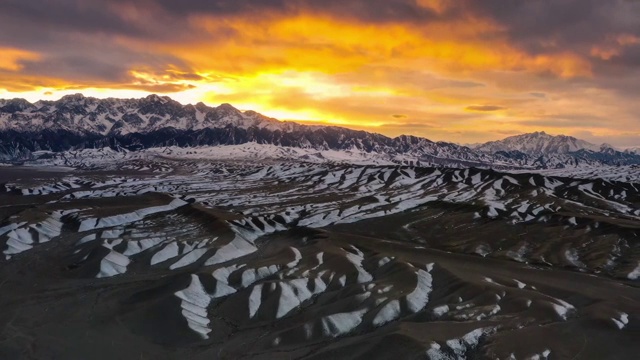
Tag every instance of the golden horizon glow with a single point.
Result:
(457, 80)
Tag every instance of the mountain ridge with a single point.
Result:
(77, 122)
(160, 121)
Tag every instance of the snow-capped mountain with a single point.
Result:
(541, 150)
(79, 114)
(76, 122)
(538, 143)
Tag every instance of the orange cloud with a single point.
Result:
(247, 46)
(312, 43)
(16, 83)
(11, 59)
(439, 75)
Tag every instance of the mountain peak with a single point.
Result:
(538, 143)
(72, 98)
(18, 101)
(157, 98)
(227, 107)
(15, 105)
(228, 110)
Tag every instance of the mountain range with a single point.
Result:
(77, 122)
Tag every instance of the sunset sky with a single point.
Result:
(465, 71)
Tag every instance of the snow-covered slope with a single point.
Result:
(77, 122)
(538, 143)
(244, 260)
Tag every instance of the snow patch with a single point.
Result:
(195, 301)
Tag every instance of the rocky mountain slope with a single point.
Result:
(76, 122)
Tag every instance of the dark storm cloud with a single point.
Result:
(56, 15)
(565, 20)
(82, 59)
(561, 25)
(76, 68)
(364, 10)
(537, 22)
(223, 7)
(75, 39)
(628, 57)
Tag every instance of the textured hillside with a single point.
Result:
(241, 260)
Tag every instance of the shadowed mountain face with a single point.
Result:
(76, 122)
(160, 258)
